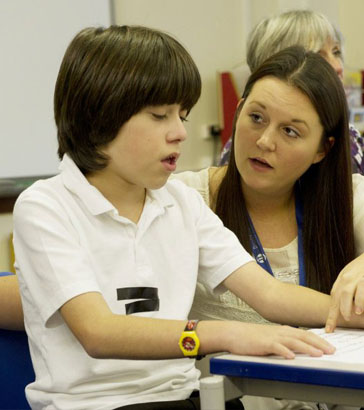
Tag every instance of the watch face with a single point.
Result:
(188, 343)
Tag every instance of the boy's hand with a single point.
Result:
(285, 341)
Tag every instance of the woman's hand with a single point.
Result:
(347, 294)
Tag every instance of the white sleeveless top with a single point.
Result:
(284, 264)
(283, 261)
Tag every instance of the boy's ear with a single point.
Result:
(324, 150)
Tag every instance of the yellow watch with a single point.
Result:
(189, 342)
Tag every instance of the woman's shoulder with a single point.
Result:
(358, 183)
(198, 180)
(195, 179)
(216, 175)
(206, 181)
(358, 193)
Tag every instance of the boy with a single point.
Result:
(108, 254)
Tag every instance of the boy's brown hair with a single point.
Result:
(107, 76)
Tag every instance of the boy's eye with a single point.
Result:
(164, 116)
(159, 116)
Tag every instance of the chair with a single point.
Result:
(16, 369)
(230, 85)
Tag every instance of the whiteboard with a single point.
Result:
(34, 35)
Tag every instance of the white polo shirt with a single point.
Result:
(70, 240)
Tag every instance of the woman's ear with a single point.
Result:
(328, 144)
(240, 103)
(324, 150)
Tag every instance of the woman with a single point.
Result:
(313, 31)
(287, 191)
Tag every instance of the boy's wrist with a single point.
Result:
(216, 336)
(189, 341)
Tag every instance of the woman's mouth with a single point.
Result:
(260, 164)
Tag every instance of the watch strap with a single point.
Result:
(189, 342)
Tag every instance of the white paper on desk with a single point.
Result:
(349, 345)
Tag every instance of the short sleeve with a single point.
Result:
(52, 266)
(220, 252)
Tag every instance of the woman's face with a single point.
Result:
(278, 137)
(331, 52)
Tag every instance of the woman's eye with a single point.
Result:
(257, 118)
(291, 132)
(337, 52)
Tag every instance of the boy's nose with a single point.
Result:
(178, 133)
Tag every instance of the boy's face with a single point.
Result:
(146, 149)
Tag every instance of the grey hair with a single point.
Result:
(305, 28)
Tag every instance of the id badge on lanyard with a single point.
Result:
(261, 257)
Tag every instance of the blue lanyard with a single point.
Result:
(261, 257)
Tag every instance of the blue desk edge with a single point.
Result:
(276, 372)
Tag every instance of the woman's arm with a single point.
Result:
(11, 312)
(348, 290)
(282, 302)
(347, 293)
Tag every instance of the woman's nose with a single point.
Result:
(337, 64)
(266, 140)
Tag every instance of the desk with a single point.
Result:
(313, 380)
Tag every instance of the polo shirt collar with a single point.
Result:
(92, 198)
(77, 183)
(161, 196)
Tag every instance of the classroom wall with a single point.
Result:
(215, 32)
(6, 227)
(264, 8)
(350, 21)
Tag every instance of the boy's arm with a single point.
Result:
(104, 334)
(283, 302)
(11, 312)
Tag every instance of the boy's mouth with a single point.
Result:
(171, 159)
(170, 162)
